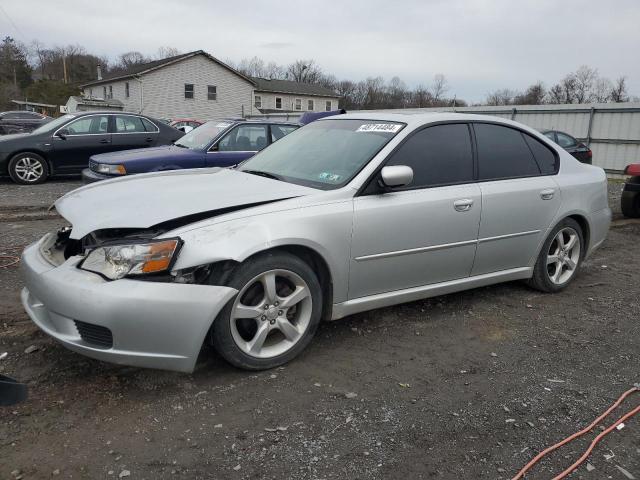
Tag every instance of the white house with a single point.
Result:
(275, 96)
(198, 85)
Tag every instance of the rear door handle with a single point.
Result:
(148, 139)
(463, 205)
(105, 140)
(547, 194)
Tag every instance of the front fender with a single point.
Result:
(326, 229)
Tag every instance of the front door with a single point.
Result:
(239, 144)
(520, 197)
(78, 140)
(425, 233)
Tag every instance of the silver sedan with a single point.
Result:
(347, 214)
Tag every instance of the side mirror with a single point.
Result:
(62, 133)
(396, 176)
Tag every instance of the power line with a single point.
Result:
(18, 31)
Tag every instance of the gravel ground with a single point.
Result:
(468, 385)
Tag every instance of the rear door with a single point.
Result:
(240, 143)
(83, 137)
(426, 232)
(520, 197)
(131, 131)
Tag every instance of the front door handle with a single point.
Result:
(148, 139)
(463, 205)
(104, 140)
(547, 194)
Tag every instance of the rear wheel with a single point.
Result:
(274, 315)
(559, 258)
(28, 169)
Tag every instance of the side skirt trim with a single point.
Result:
(395, 297)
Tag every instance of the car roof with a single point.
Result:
(415, 118)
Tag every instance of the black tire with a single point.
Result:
(630, 204)
(39, 165)
(541, 279)
(221, 333)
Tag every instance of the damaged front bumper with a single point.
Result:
(129, 322)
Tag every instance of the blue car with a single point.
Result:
(212, 144)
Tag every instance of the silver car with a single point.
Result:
(346, 214)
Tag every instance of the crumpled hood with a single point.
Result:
(141, 201)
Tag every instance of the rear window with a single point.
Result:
(503, 153)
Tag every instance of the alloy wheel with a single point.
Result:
(563, 256)
(29, 169)
(271, 313)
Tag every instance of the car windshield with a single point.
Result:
(53, 124)
(325, 154)
(200, 138)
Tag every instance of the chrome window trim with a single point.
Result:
(107, 133)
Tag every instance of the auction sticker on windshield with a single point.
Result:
(379, 127)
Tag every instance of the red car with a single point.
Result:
(185, 124)
(630, 202)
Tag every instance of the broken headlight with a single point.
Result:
(118, 261)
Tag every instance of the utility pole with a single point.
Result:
(64, 67)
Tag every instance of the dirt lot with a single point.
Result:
(468, 385)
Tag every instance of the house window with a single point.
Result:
(279, 103)
(327, 106)
(298, 104)
(310, 105)
(212, 93)
(104, 92)
(126, 90)
(188, 90)
(257, 101)
(90, 92)
(110, 91)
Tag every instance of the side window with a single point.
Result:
(94, 124)
(244, 138)
(503, 153)
(551, 136)
(127, 124)
(546, 158)
(566, 141)
(279, 131)
(438, 155)
(148, 126)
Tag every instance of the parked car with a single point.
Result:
(571, 145)
(65, 144)
(185, 124)
(630, 201)
(20, 121)
(344, 215)
(213, 144)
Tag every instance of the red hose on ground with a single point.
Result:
(582, 432)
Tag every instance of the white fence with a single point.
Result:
(612, 130)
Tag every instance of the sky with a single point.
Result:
(479, 45)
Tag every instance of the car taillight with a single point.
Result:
(589, 153)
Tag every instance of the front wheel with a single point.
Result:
(274, 315)
(28, 169)
(559, 258)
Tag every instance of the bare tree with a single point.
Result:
(304, 71)
(166, 52)
(584, 80)
(619, 90)
(533, 95)
(602, 89)
(439, 87)
(503, 96)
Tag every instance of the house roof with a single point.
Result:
(97, 102)
(296, 88)
(143, 68)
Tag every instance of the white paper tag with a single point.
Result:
(379, 127)
(222, 125)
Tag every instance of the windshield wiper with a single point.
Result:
(261, 173)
